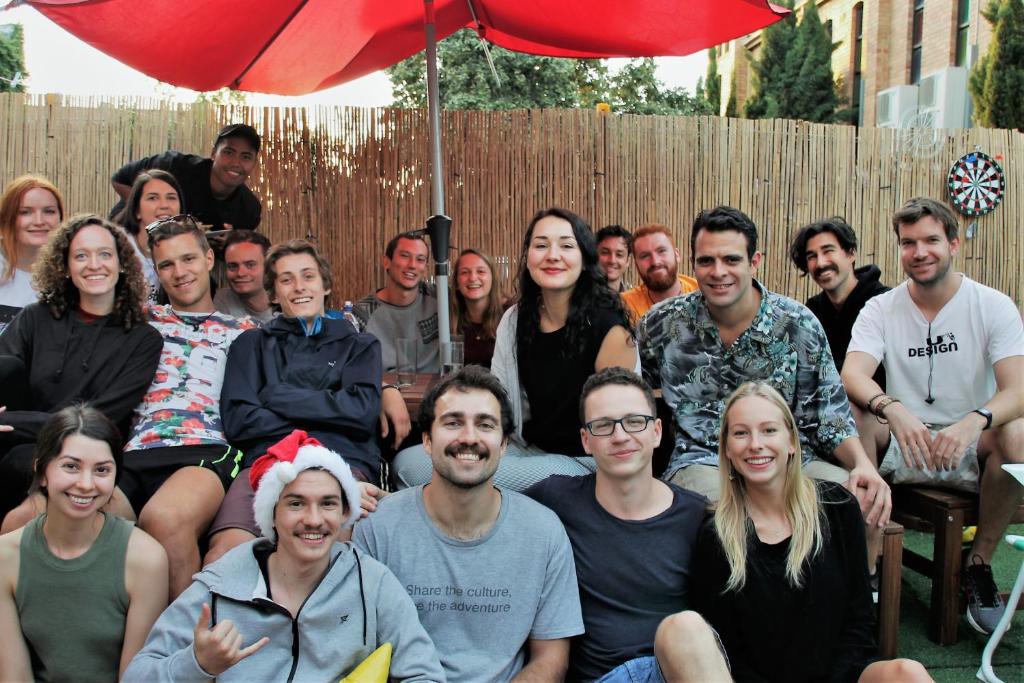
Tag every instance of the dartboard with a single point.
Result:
(976, 184)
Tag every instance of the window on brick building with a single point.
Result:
(916, 42)
(963, 31)
(858, 63)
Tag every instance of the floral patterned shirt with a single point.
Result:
(182, 405)
(785, 346)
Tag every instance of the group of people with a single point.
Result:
(531, 537)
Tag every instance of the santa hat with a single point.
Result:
(283, 462)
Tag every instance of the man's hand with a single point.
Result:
(913, 438)
(368, 497)
(392, 407)
(873, 494)
(219, 648)
(5, 428)
(950, 443)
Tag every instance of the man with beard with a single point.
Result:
(406, 306)
(827, 250)
(657, 262)
(491, 571)
(953, 352)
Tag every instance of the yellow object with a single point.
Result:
(373, 669)
(603, 108)
(969, 532)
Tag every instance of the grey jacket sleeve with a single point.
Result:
(506, 369)
(413, 657)
(168, 655)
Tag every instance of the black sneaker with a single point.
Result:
(984, 605)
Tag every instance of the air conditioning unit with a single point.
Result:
(895, 105)
(942, 97)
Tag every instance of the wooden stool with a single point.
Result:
(946, 513)
(889, 587)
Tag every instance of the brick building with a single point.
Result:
(892, 58)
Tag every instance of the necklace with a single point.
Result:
(194, 321)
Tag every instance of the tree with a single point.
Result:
(465, 80)
(12, 58)
(527, 81)
(713, 83)
(793, 78)
(812, 96)
(730, 105)
(224, 96)
(997, 80)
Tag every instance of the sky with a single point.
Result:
(57, 62)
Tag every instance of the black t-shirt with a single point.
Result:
(632, 574)
(553, 384)
(822, 631)
(241, 210)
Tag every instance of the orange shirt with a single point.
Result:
(638, 300)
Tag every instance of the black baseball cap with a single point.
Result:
(239, 130)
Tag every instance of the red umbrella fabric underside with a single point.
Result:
(293, 47)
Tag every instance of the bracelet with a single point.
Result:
(882, 405)
(872, 400)
(391, 386)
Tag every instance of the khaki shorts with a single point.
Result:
(706, 480)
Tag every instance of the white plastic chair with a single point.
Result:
(985, 673)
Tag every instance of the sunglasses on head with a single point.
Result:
(184, 218)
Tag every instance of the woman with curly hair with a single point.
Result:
(155, 194)
(86, 339)
(476, 305)
(30, 209)
(779, 570)
(566, 325)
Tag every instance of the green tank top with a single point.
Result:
(72, 612)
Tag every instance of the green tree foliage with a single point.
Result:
(224, 96)
(713, 83)
(771, 75)
(793, 78)
(12, 58)
(812, 94)
(731, 109)
(997, 80)
(527, 81)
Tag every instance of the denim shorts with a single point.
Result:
(639, 670)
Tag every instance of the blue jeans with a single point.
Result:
(639, 670)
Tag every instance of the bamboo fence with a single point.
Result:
(352, 178)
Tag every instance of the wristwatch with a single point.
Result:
(987, 414)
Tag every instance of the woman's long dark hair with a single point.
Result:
(128, 217)
(590, 293)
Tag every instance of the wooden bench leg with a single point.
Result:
(945, 608)
(889, 587)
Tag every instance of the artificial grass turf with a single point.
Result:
(959, 662)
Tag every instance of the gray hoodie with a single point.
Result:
(357, 606)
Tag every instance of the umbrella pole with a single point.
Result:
(439, 225)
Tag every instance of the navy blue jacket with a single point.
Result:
(277, 379)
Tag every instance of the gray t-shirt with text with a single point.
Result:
(480, 600)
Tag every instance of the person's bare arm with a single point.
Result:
(913, 437)
(865, 483)
(618, 349)
(549, 660)
(394, 411)
(15, 664)
(145, 579)
(1007, 404)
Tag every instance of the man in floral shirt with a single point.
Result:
(700, 347)
(177, 462)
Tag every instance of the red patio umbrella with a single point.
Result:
(294, 47)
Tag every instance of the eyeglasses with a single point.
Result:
(631, 424)
(185, 218)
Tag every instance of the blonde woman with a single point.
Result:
(779, 571)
